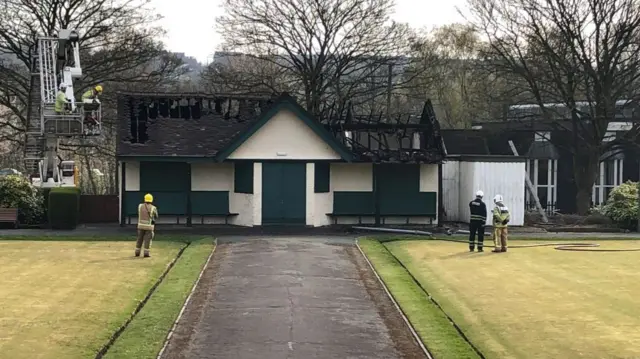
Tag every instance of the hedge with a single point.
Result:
(64, 207)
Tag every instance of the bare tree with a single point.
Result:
(583, 54)
(334, 50)
(242, 74)
(118, 47)
(455, 78)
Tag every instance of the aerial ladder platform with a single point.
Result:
(55, 62)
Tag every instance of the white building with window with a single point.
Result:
(542, 167)
(610, 172)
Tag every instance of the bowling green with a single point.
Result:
(64, 299)
(534, 302)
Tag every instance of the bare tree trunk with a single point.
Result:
(585, 169)
(113, 177)
(92, 182)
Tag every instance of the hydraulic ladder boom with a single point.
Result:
(57, 62)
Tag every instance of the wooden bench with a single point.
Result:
(9, 215)
(335, 216)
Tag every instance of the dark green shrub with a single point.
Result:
(622, 205)
(44, 192)
(17, 192)
(64, 207)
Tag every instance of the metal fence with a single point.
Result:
(549, 208)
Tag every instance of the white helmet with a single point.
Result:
(63, 86)
(480, 194)
(498, 199)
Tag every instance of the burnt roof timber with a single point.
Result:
(209, 137)
(193, 95)
(377, 126)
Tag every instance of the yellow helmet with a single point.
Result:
(98, 88)
(148, 198)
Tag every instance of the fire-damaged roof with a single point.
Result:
(184, 125)
(486, 142)
(211, 127)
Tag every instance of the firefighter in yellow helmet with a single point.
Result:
(92, 94)
(89, 99)
(501, 218)
(147, 215)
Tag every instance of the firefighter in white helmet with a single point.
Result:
(478, 210)
(501, 218)
(60, 106)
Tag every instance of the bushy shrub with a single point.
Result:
(17, 192)
(64, 207)
(622, 205)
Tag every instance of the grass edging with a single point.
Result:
(147, 334)
(186, 302)
(140, 305)
(435, 330)
(393, 300)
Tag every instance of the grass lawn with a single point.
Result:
(64, 299)
(145, 335)
(535, 302)
(433, 327)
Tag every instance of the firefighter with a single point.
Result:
(61, 100)
(92, 94)
(478, 220)
(501, 218)
(89, 98)
(147, 215)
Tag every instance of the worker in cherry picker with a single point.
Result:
(61, 100)
(92, 94)
(89, 99)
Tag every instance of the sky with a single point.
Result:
(190, 23)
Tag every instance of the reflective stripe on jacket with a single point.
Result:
(500, 214)
(88, 95)
(478, 210)
(147, 214)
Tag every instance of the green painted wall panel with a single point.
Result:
(399, 194)
(399, 186)
(209, 203)
(165, 176)
(322, 177)
(421, 203)
(362, 203)
(175, 203)
(169, 203)
(132, 200)
(243, 177)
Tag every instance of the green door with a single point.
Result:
(284, 192)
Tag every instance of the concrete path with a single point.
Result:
(290, 298)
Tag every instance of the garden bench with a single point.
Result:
(9, 215)
(336, 215)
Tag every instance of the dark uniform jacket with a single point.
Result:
(478, 210)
